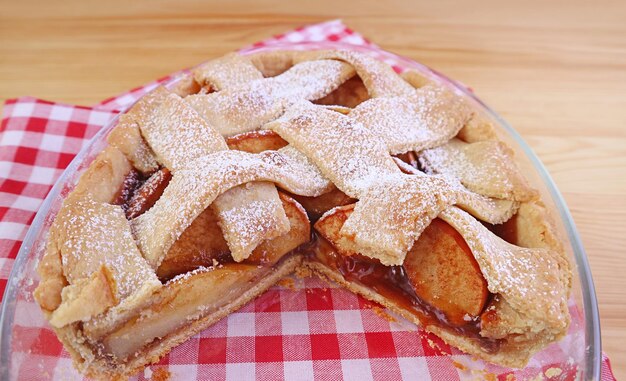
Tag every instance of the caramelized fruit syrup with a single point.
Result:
(393, 284)
(133, 180)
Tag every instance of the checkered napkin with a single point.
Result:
(304, 330)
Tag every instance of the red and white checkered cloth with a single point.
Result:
(310, 331)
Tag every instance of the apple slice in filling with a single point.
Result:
(202, 243)
(439, 270)
(206, 283)
(444, 273)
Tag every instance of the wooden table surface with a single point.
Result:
(555, 70)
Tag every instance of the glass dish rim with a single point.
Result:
(593, 360)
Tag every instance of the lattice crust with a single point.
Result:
(425, 118)
(477, 129)
(110, 270)
(127, 137)
(273, 63)
(490, 210)
(227, 71)
(248, 214)
(113, 165)
(378, 77)
(193, 189)
(249, 106)
(485, 167)
(416, 79)
(348, 154)
(110, 164)
(263, 104)
(505, 320)
(178, 135)
(511, 272)
(349, 95)
(394, 208)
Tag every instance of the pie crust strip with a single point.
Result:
(248, 214)
(249, 106)
(393, 208)
(532, 280)
(485, 167)
(195, 187)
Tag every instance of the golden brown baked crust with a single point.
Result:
(102, 368)
(484, 167)
(340, 132)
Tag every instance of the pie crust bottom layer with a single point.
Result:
(104, 367)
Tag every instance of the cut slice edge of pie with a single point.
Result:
(255, 167)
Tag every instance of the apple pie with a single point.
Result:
(253, 167)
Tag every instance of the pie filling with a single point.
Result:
(132, 181)
(199, 274)
(392, 283)
(508, 231)
(192, 295)
(140, 192)
(184, 299)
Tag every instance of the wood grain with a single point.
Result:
(555, 70)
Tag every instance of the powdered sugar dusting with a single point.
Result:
(249, 106)
(393, 208)
(532, 280)
(484, 167)
(195, 187)
(179, 135)
(327, 149)
(227, 71)
(378, 77)
(127, 137)
(393, 212)
(250, 214)
(428, 117)
(95, 234)
(351, 152)
(344, 150)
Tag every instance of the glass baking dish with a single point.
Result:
(20, 312)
